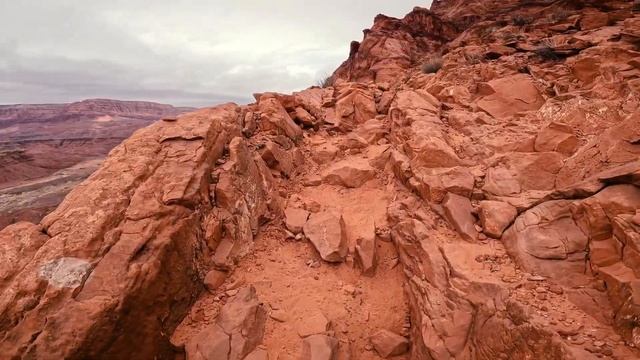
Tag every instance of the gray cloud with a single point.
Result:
(192, 53)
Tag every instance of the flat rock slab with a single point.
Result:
(350, 173)
(326, 231)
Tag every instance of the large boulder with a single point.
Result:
(542, 236)
(434, 184)
(354, 106)
(615, 147)
(556, 137)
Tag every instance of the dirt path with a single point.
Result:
(298, 287)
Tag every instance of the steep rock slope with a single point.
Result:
(483, 207)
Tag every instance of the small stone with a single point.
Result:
(389, 344)
(232, 292)
(598, 343)
(567, 330)
(237, 283)
(319, 347)
(536, 278)
(600, 285)
(214, 279)
(368, 347)
(541, 290)
(312, 181)
(556, 289)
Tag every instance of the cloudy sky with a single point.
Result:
(183, 52)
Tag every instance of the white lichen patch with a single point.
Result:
(66, 272)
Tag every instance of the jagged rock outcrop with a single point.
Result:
(126, 245)
(486, 209)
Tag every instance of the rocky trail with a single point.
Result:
(481, 204)
(304, 294)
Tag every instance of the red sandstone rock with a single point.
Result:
(495, 217)
(326, 231)
(458, 211)
(214, 279)
(319, 347)
(295, 219)
(238, 330)
(350, 173)
(510, 95)
(274, 117)
(314, 323)
(388, 344)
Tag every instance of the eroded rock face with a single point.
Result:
(134, 221)
(392, 45)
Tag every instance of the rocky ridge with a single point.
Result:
(487, 208)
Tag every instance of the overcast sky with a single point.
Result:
(192, 53)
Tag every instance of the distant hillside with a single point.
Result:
(42, 144)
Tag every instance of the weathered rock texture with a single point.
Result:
(507, 180)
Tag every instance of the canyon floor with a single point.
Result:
(466, 185)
